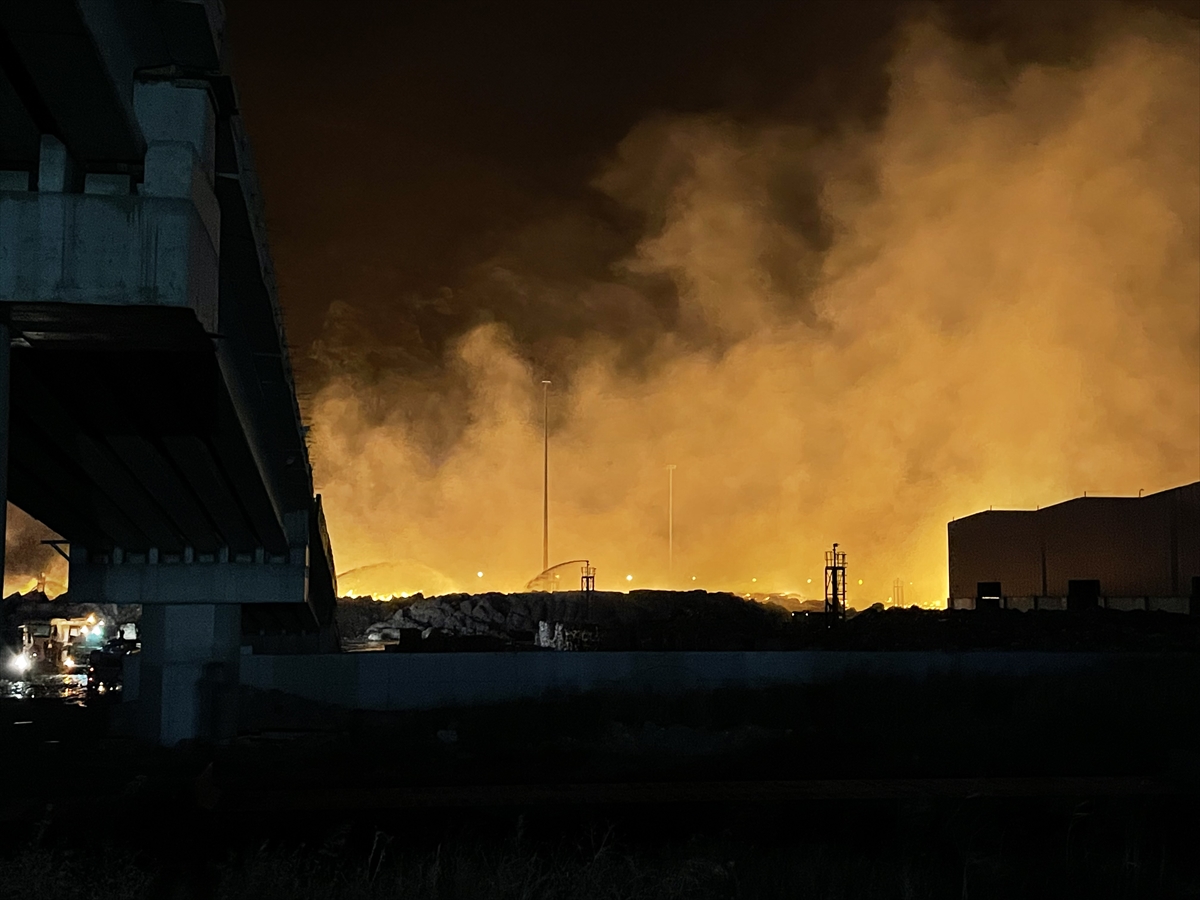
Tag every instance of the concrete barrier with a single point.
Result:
(399, 681)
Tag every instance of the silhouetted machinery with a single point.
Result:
(558, 578)
(835, 583)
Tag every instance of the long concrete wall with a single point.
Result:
(398, 681)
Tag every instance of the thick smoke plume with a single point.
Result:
(28, 562)
(989, 299)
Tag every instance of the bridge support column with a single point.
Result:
(187, 681)
(191, 628)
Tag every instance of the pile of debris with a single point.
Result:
(561, 620)
(698, 620)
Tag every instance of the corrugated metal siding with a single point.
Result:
(1135, 547)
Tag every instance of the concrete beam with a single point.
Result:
(142, 457)
(178, 111)
(97, 578)
(108, 250)
(57, 172)
(63, 77)
(193, 458)
(244, 448)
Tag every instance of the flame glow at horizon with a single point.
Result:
(1006, 313)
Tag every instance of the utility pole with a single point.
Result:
(545, 475)
(671, 524)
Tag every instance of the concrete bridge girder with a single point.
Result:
(153, 414)
(151, 580)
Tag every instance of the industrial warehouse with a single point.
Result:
(1114, 552)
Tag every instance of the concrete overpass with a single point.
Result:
(148, 411)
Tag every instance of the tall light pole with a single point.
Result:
(545, 475)
(671, 523)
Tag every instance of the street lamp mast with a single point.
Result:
(545, 475)
(671, 523)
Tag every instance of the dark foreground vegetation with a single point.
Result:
(1055, 786)
(969, 848)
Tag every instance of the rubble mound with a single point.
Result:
(594, 620)
(698, 620)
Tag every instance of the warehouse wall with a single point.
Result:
(1136, 547)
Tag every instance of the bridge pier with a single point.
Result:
(186, 677)
(184, 683)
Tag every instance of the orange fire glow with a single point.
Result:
(1007, 316)
(1007, 313)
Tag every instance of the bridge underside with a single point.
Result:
(125, 437)
(147, 403)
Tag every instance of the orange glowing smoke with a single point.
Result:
(29, 564)
(1008, 314)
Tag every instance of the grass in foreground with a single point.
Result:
(1080, 861)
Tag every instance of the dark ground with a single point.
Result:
(1064, 786)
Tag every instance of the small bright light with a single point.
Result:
(69, 662)
(810, 581)
(629, 578)
(693, 578)
(85, 630)
(860, 581)
(754, 579)
(478, 574)
(19, 663)
(91, 619)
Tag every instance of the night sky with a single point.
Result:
(402, 145)
(766, 242)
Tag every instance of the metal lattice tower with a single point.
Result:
(835, 583)
(587, 577)
(897, 593)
